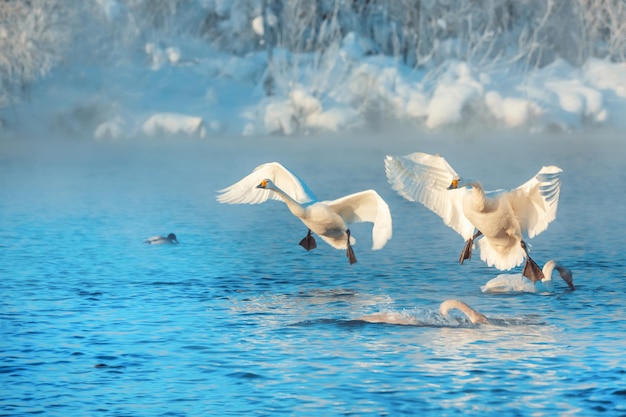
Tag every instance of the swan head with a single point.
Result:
(458, 182)
(454, 184)
(266, 184)
(566, 274)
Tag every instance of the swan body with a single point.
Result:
(400, 318)
(502, 217)
(327, 219)
(161, 240)
(390, 317)
(505, 283)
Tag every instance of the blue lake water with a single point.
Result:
(238, 319)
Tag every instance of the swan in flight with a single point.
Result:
(400, 318)
(160, 240)
(499, 217)
(518, 283)
(328, 219)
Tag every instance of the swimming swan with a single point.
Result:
(518, 283)
(473, 315)
(160, 240)
(499, 216)
(327, 219)
(400, 318)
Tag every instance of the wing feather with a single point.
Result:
(535, 202)
(425, 178)
(245, 192)
(366, 206)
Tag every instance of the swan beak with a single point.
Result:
(454, 184)
(263, 184)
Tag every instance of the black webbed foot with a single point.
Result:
(531, 269)
(308, 242)
(349, 251)
(466, 253)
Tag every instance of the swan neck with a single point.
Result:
(473, 315)
(547, 270)
(478, 195)
(295, 207)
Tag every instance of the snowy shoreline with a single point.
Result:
(152, 85)
(175, 99)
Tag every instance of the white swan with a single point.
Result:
(160, 240)
(518, 283)
(400, 318)
(501, 216)
(328, 219)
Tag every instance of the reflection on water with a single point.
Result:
(239, 319)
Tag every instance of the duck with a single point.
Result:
(329, 220)
(161, 240)
(505, 283)
(394, 317)
(499, 219)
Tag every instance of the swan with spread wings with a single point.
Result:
(328, 219)
(499, 218)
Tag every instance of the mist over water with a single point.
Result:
(239, 319)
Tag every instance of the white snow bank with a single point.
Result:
(111, 129)
(606, 76)
(455, 91)
(300, 111)
(514, 112)
(348, 87)
(173, 124)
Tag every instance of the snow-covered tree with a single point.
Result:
(34, 36)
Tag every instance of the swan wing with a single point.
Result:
(245, 192)
(425, 178)
(535, 202)
(366, 206)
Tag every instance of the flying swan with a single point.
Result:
(400, 318)
(500, 217)
(327, 219)
(517, 283)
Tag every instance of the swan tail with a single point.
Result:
(498, 258)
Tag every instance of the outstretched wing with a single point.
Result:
(366, 206)
(425, 178)
(245, 191)
(535, 202)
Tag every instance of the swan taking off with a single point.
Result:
(500, 217)
(160, 240)
(517, 283)
(327, 219)
(401, 318)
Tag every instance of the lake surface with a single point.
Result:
(238, 319)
